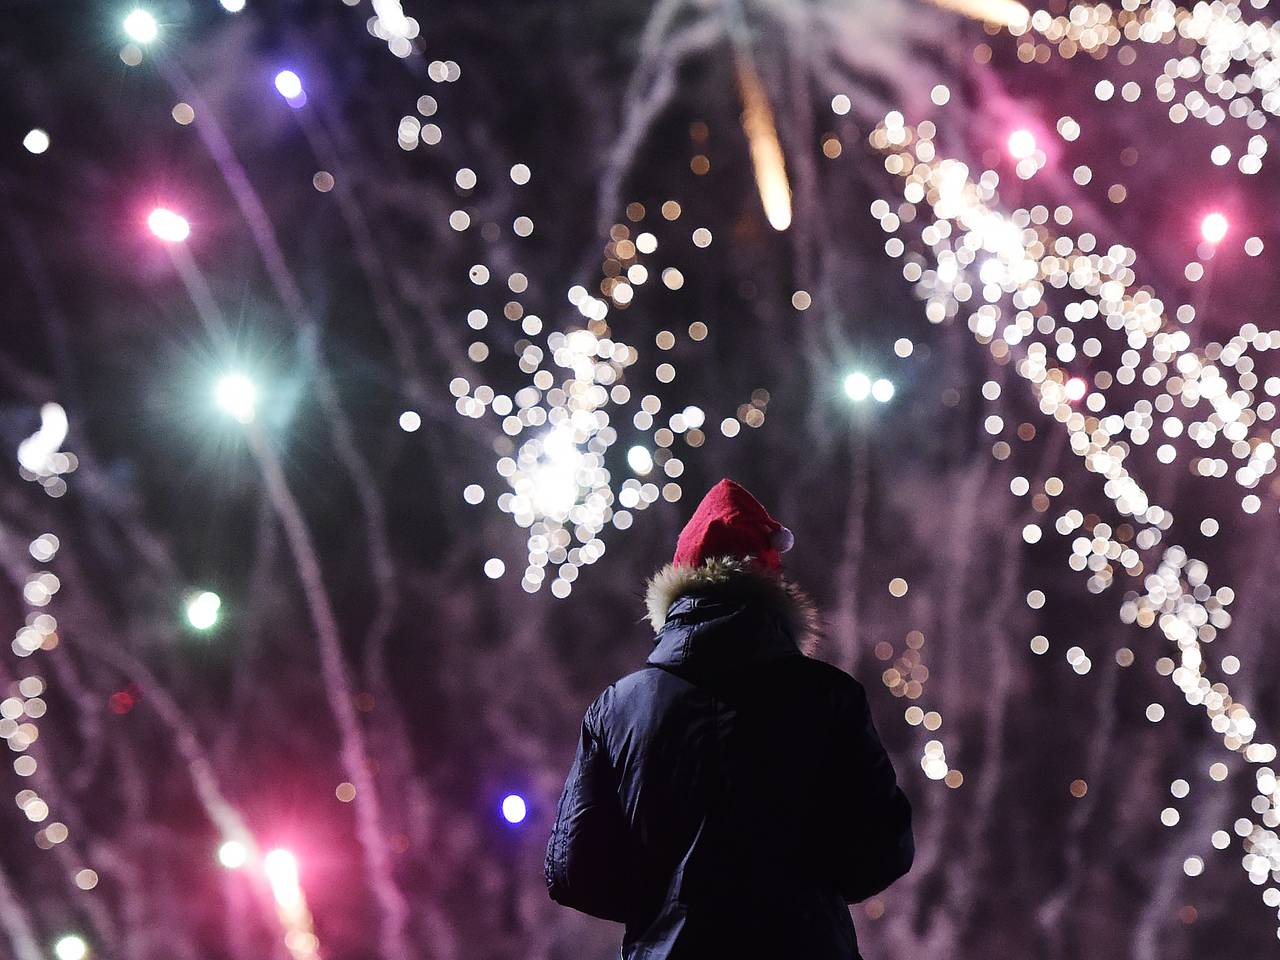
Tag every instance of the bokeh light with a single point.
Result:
(281, 869)
(640, 460)
(514, 808)
(1214, 227)
(289, 84)
(1169, 592)
(36, 141)
(86, 878)
(1022, 144)
(237, 395)
(233, 854)
(140, 26)
(168, 226)
(857, 386)
(71, 947)
(202, 609)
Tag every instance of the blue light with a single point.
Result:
(514, 808)
(289, 84)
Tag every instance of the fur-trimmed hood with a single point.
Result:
(730, 577)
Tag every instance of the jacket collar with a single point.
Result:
(713, 631)
(726, 610)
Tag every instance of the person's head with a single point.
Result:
(730, 522)
(731, 546)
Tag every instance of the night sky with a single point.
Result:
(333, 487)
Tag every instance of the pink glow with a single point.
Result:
(1022, 144)
(1214, 227)
(281, 868)
(168, 226)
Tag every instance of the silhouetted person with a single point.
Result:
(731, 798)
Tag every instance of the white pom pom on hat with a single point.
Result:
(783, 539)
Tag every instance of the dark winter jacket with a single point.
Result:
(729, 799)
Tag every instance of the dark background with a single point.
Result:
(467, 688)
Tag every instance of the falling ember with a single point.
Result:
(281, 868)
(1213, 227)
(36, 453)
(1001, 13)
(766, 151)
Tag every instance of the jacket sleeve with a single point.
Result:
(873, 818)
(587, 865)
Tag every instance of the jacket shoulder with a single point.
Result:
(638, 683)
(816, 673)
(803, 676)
(826, 679)
(829, 673)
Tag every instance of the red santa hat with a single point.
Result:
(730, 522)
